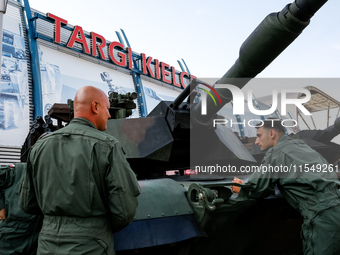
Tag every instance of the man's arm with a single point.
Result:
(262, 185)
(236, 189)
(264, 180)
(2, 206)
(28, 200)
(7, 175)
(123, 189)
(2, 214)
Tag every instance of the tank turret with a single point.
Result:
(170, 121)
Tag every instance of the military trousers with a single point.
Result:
(19, 236)
(61, 235)
(321, 228)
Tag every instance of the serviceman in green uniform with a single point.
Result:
(314, 193)
(18, 230)
(79, 179)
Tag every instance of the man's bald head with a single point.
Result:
(92, 104)
(85, 96)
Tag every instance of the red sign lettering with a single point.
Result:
(94, 45)
(160, 71)
(57, 25)
(82, 40)
(146, 69)
(181, 78)
(164, 72)
(120, 55)
(129, 58)
(174, 82)
(157, 69)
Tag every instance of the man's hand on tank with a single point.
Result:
(235, 188)
(2, 214)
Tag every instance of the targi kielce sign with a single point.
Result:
(161, 70)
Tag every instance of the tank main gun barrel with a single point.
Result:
(186, 92)
(272, 36)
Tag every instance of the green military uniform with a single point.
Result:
(79, 179)
(19, 231)
(314, 194)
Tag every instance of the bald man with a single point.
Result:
(79, 179)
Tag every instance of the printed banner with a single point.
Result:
(14, 100)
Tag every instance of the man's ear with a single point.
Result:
(94, 107)
(272, 133)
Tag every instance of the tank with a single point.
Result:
(199, 214)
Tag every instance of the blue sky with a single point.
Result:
(207, 35)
